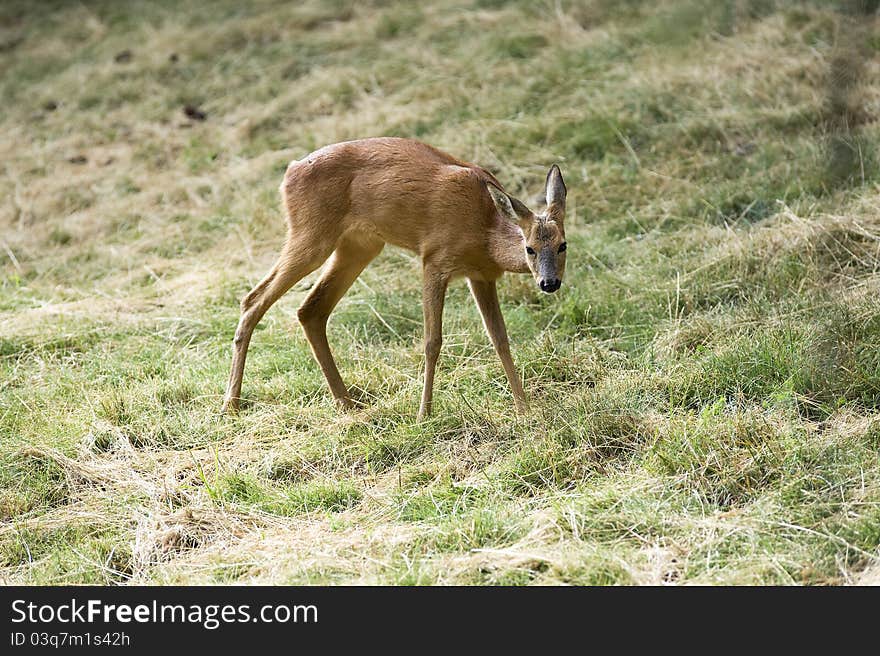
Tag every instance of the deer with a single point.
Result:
(345, 201)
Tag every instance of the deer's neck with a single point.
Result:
(506, 248)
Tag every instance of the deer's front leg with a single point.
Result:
(433, 295)
(486, 296)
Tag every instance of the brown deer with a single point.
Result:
(346, 200)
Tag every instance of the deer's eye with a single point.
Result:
(562, 247)
(530, 250)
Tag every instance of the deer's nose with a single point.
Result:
(550, 286)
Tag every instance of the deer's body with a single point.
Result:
(407, 194)
(345, 201)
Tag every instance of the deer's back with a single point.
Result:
(411, 194)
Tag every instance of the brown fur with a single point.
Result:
(345, 201)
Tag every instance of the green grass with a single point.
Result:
(705, 388)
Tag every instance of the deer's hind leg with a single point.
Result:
(353, 253)
(298, 258)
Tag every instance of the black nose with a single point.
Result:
(550, 286)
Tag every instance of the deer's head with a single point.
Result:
(543, 234)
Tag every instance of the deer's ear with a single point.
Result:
(554, 188)
(510, 208)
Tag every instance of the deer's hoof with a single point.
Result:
(345, 403)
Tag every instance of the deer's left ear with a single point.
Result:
(554, 188)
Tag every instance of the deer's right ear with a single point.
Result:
(510, 208)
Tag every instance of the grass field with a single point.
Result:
(705, 387)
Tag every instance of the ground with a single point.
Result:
(705, 387)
